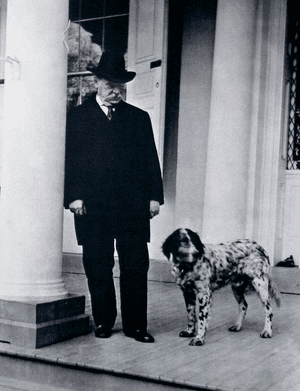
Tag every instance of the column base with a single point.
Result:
(36, 324)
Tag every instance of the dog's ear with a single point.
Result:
(169, 246)
(196, 242)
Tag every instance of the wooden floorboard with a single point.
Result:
(227, 361)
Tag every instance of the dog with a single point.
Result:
(200, 269)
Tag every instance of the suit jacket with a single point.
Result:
(113, 167)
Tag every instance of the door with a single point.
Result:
(147, 51)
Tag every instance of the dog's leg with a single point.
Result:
(261, 286)
(204, 298)
(238, 290)
(190, 303)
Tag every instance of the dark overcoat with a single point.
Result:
(112, 165)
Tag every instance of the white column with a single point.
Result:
(229, 128)
(33, 151)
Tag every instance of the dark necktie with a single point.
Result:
(109, 112)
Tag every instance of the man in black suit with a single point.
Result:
(113, 186)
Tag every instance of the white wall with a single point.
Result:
(3, 12)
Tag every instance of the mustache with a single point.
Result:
(114, 96)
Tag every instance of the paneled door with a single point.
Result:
(147, 52)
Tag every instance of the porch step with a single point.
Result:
(8, 384)
(23, 374)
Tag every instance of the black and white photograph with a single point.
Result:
(149, 195)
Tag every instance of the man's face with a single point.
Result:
(109, 92)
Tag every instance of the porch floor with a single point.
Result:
(227, 361)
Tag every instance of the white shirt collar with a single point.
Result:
(102, 106)
(99, 101)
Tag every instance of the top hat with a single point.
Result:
(112, 67)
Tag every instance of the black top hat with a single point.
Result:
(112, 67)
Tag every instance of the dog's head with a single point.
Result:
(183, 246)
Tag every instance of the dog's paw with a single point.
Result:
(235, 328)
(196, 342)
(186, 334)
(266, 334)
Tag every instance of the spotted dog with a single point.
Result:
(200, 269)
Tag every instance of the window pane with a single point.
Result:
(116, 7)
(79, 89)
(87, 9)
(92, 8)
(83, 51)
(74, 9)
(116, 34)
(95, 27)
(73, 44)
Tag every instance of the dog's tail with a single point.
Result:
(274, 292)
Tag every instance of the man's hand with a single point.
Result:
(77, 207)
(154, 208)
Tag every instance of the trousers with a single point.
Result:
(98, 262)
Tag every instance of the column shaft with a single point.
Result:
(229, 128)
(33, 151)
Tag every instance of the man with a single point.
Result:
(113, 186)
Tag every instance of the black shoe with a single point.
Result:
(103, 331)
(139, 335)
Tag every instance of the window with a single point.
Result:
(95, 26)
